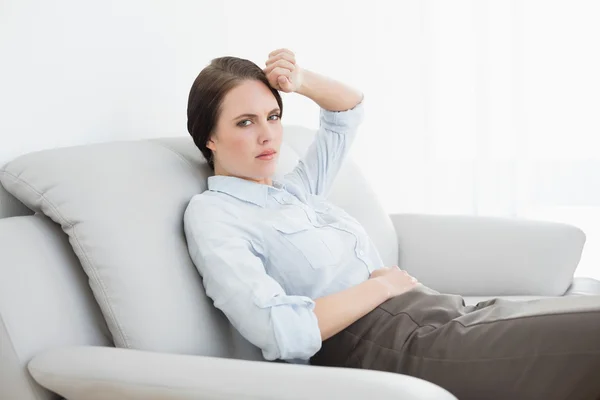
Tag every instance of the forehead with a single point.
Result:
(250, 96)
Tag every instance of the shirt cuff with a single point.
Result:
(343, 121)
(295, 327)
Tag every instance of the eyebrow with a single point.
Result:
(254, 115)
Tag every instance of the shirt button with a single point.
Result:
(361, 253)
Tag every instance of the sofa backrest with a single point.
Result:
(121, 205)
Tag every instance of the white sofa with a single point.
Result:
(99, 299)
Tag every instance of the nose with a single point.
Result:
(267, 133)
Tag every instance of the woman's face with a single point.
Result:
(248, 125)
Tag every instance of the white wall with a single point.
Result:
(84, 71)
(474, 106)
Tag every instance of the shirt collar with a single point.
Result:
(243, 189)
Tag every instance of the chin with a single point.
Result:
(265, 171)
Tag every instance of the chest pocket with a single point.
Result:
(322, 247)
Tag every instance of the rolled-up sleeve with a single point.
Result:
(319, 166)
(282, 326)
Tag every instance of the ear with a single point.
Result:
(211, 145)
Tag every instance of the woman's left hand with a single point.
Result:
(282, 71)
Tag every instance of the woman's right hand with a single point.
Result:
(395, 280)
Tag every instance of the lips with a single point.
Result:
(266, 153)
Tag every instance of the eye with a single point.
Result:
(247, 122)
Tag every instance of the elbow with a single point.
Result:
(296, 332)
(300, 351)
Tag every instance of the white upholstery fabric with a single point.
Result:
(138, 375)
(489, 256)
(44, 301)
(11, 207)
(583, 286)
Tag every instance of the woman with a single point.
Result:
(300, 278)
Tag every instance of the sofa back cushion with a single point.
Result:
(122, 205)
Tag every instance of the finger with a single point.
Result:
(281, 56)
(274, 74)
(273, 82)
(284, 83)
(280, 63)
(275, 52)
(273, 79)
(280, 71)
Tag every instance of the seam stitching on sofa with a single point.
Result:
(109, 306)
(92, 268)
(34, 190)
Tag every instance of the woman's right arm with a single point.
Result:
(337, 311)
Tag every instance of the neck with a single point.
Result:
(264, 181)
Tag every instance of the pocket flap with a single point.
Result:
(289, 227)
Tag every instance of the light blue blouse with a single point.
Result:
(266, 252)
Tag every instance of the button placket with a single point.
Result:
(359, 247)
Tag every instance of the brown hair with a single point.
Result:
(209, 90)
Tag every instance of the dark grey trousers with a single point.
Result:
(498, 349)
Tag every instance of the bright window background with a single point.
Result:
(474, 107)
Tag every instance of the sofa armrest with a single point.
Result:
(99, 373)
(584, 286)
(483, 256)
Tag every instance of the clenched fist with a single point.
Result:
(283, 72)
